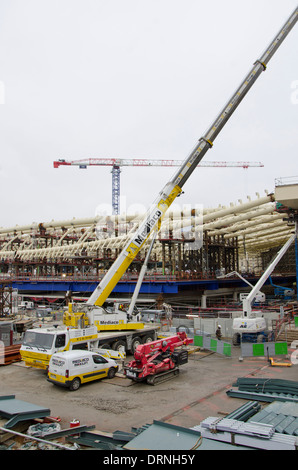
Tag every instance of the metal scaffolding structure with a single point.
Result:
(216, 239)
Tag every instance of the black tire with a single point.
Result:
(135, 343)
(118, 344)
(111, 373)
(105, 346)
(75, 384)
(236, 339)
(147, 339)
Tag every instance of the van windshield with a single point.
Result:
(38, 340)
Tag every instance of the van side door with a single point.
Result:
(101, 365)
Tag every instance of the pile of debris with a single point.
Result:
(25, 426)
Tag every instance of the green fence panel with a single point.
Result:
(258, 350)
(206, 342)
(227, 349)
(198, 341)
(269, 349)
(281, 348)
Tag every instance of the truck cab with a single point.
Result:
(39, 344)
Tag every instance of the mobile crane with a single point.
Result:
(158, 361)
(250, 327)
(93, 313)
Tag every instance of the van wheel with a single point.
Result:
(111, 373)
(75, 384)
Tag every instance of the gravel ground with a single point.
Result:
(197, 392)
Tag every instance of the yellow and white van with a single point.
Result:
(72, 368)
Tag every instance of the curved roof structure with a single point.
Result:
(256, 224)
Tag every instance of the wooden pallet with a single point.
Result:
(10, 354)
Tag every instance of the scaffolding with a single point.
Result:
(6, 298)
(235, 238)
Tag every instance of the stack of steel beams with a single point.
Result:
(266, 390)
(245, 411)
(251, 434)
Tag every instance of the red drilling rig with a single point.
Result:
(159, 360)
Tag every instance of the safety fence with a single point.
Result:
(268, 349)
(212, 344)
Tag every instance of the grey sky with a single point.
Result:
(139, 79)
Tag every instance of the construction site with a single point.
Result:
(173, 330)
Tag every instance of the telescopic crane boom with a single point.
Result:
(174, 187)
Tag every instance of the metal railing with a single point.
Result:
(152, 276)
(283, 181)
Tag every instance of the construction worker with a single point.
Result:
(218, 332)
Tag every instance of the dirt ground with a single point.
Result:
(197, 392)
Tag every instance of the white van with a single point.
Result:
(72, 368)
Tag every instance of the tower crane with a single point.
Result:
(92, 313)
(117, 163)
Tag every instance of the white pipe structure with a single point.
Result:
(226, 221)
(252, 226)
(239, 208)
(83, 222)
(254, 223)
(264, 234)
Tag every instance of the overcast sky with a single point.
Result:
(139, 79)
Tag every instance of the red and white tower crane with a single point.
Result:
(117, 163)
